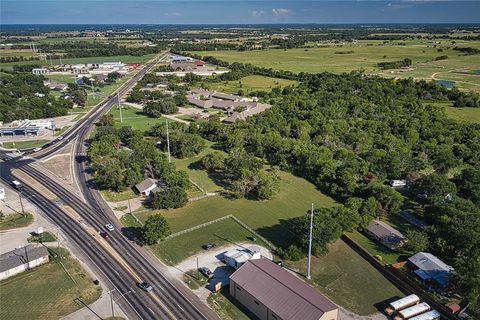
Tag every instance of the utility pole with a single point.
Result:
(21, 202)
(119, 107)
(198, 274)
(111, 300)
(168, 142)
(310, 244)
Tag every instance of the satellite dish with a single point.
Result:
(39, 230)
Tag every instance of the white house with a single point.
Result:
(149, 185)
(22, 259)
(39, 71)
(398, 183)
(237, 257)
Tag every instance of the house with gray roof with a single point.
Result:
(22, 259)
(385, 234)
(273, 293)
(430, 269)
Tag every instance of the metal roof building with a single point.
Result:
(431, 268)
(272, 293)
(385, 234)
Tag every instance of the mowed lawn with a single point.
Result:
(270, 218)
(464, 114)
(47, 292)
(251, 83)
(133, 117)
(349, 280)
(227, 231)
(23, 144)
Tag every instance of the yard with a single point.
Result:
(349, 280)
(16, 220)
(133, 117)
(270, 218)
(251, 83)
(47, 292)
(176, 249)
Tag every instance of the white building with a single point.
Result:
(398, 183)
(39, 70)
(237, 257)
(22, 259)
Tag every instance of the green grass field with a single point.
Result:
(23, 144)
(44, 237)
(269, 218)
(366, 55)
(251, 83)
(134, 117)
(226, 307)
(349, 280)
(16, 220)
(112, 196)
(228, 231)
(47, 292)
(464, 114)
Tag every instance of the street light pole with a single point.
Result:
(111, 300)
(310, 244)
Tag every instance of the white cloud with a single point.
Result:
(257, 13)
(281, 11)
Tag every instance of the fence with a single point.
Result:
(400, 280)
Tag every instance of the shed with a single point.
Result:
(146, 186)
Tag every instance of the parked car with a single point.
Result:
(206, 272)
(109, 227)
(104, 234)
(145, 286)
(209, 246)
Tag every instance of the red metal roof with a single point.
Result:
(285, 294)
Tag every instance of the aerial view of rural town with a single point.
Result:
(272, 160)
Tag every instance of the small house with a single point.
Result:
(22, 259)
(430, 269)
(146, 187)
(385, 234)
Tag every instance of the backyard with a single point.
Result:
(47, 292)
(349, 280)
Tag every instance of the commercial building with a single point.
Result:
(39, 70)
(430, 269)
(272, 293)
(22, 259)
(385, 234)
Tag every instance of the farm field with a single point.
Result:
(365, 56)
(133, 117)
(47, 292)
(269, 218)
(464, 114)
(251, 83)
(348, 280)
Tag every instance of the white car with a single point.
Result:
(109, 227)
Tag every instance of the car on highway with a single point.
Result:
(37, 149)
(17, 185)
(60, 138)
(209, 246)
(104, 234)
(109, 227)
(206, 272)
(145, 286)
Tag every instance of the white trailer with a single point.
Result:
(430, 315)
(402, 303)
(412, 311)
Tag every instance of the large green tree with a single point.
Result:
(156, 228)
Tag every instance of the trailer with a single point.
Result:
(412, 311)
(402, 303)
(430, 315)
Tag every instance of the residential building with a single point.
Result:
(272, 293)
(385, 234)
(398, 183)
(22, 259)
(39, 70)
(147, 186)
(237, 257)
(430, 269)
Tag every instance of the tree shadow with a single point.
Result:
(133, 234)
(382, 305)
(281, 235)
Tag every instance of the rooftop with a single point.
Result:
(20, 256)
(280, 291)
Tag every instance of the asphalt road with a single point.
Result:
(169, 298)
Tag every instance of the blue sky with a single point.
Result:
(236, 12)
